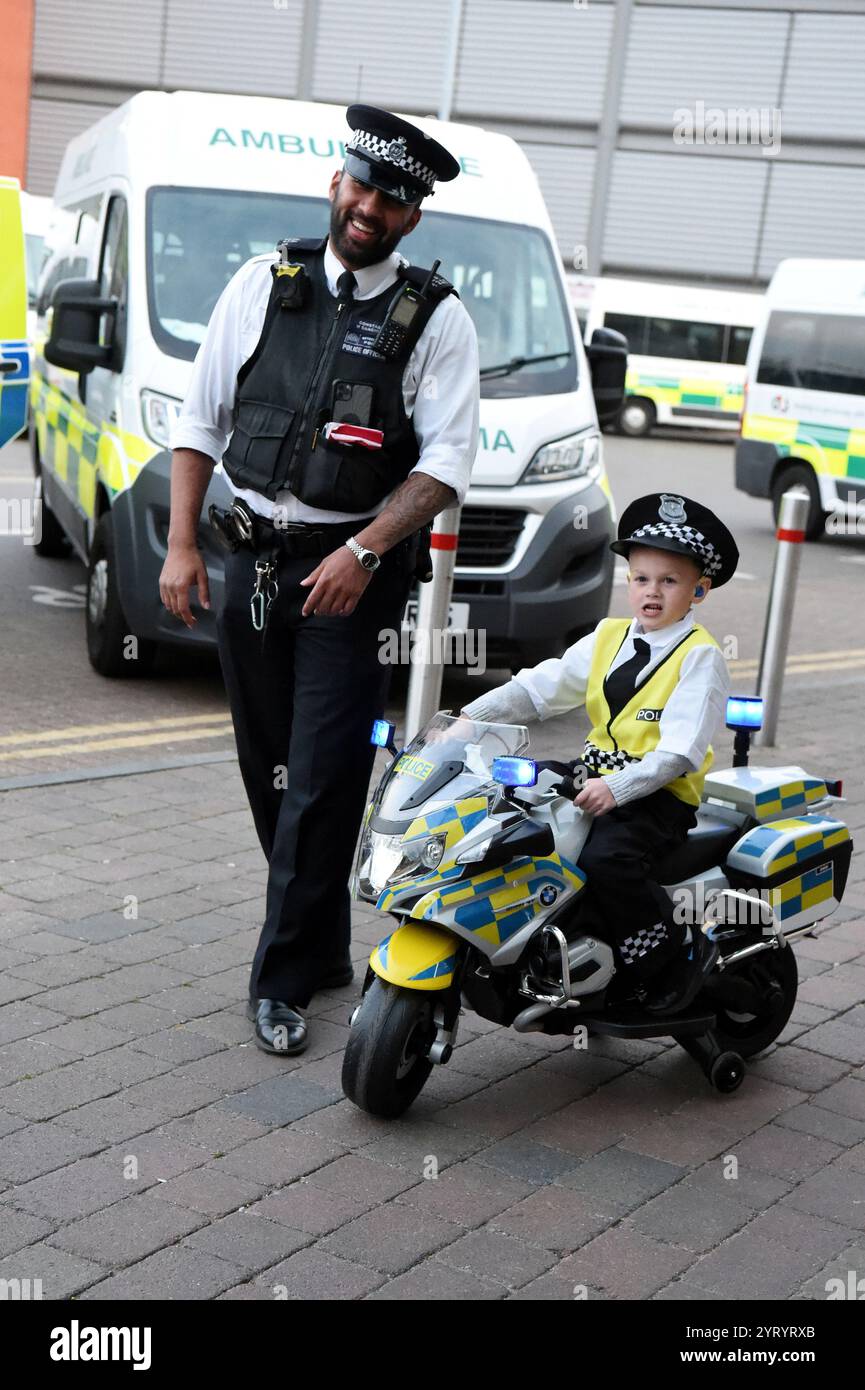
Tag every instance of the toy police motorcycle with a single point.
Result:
(474, 850)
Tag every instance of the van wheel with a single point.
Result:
(637, 416)
(52, 543)
(108, 631)
(801, 475)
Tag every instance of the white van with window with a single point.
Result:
(686, 350)
(158, 205)
(804, 418)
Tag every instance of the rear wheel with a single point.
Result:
(637, 416)
(386, 1064)
(109, 640)
(801, 475)
(773, 978)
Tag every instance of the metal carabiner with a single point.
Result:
(256, 603)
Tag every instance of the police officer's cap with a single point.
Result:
(394, 156)
(666, 521)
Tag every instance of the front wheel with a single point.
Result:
(386, 1063)
(112, 648)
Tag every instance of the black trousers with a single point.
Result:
(303, 702)
(622, 901)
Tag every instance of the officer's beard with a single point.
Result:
(373, 251)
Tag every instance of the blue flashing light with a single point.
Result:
(515, 772)
(382, 733)
(744, 712)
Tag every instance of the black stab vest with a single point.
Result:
(285, 392)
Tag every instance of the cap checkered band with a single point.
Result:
(688, 536)
(394, 152)
(597, 758)
(642, 942)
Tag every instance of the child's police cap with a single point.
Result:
(666, 521)
(395, 156)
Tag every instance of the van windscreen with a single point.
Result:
(505, 274)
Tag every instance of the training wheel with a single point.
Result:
(727, 1072)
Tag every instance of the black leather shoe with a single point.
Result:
(684, 980)
(279, 1027)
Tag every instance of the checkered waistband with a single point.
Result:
(600, 760)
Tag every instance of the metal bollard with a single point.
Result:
(425, 679)
(792, 518)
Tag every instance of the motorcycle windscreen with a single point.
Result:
(450, 758)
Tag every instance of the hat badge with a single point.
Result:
(672, 508)
(395, 151)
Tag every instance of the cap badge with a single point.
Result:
(672, 508)
(395, 151)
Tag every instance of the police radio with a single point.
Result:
(401, 314)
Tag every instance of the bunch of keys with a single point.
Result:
(264, 593)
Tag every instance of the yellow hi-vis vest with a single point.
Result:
(636, 730)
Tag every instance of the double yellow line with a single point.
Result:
(847, 659)
(109, 738)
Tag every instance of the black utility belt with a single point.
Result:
(240, 527)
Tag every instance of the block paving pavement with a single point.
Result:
(149, 1150)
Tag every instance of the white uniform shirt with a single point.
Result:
(694, 712)
(440, 382)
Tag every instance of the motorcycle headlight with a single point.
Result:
(386, 860)
(575, 456)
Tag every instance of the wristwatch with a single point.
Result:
(367, 558)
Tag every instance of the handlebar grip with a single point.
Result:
(567, 787)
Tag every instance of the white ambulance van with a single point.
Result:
(686, 351)
(804, 417)
(158, 205)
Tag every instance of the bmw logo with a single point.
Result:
(548, 895)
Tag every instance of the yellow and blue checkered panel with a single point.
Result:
(486, 905)
(769, 849)
(455, 820)
(805, 898)
(835, 451)
(788, 797)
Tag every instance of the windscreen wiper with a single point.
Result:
(505, 368)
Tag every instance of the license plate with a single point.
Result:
(458, 617)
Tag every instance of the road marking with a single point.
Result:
(89, 731)
(108, 745)
(852, 559)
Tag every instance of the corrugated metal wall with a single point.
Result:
(536, 69)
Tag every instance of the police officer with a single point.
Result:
(348, 383)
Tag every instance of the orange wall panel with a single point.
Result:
(16, 54)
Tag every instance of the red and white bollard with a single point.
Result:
(792, 519)
(433, 608)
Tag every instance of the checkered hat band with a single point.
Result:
(688, 536)
(365, 140)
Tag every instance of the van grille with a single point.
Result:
(488, 535)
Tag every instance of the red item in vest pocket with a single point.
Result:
(339, 432)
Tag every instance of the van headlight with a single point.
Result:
(159, 414)
(575, 456)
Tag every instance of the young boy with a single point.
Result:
(655, 690)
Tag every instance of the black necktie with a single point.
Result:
(346, 285)
(621, 683)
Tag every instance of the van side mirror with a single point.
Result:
(608, 363)
(74, 338)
